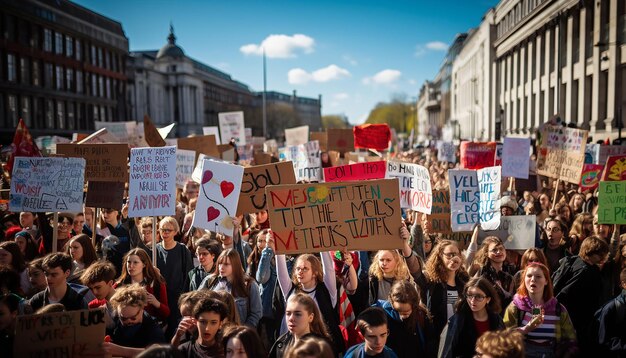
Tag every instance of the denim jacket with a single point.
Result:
(249, 308)
(266, 277)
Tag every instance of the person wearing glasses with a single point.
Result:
(554, 247)
(477, 312)
(490, 259)
(64, 230)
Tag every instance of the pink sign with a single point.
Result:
(357, 171)
(477, 155)
(591, 176)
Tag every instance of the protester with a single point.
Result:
(232, 318)
(553, 237)
(57, 268)
(207, 251)
(266, 277)
(209, 315)
(11, 256)
(490, 259)
(243, 342)
(24, 239)
(83, 255)
(531, 255)
(9, 305)
(36, 277)
(500, 344)
(372, 326)
(309, 347)
(612, 324)
(187, 330)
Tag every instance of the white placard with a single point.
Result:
(489, 188)
(307, 163)
(212, 130)
(464, 199)
(446, 152)
(232, 126)
(185, 163)
(517, 232)
(415, 190)
(152, 183)
(516, 157)
(296, 136)
(123, 131)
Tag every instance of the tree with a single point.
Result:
(279, 117)
(335, 121)
(398, 113)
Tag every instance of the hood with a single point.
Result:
(388, 308)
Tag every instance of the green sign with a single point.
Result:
(612, 202)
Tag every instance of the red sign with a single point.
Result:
(477, 155)
(590, 177)
(372, 136)
(358, 171)
(615, 168)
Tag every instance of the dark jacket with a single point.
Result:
(612, 327)
(284, 342)
(72, 301)
(459, 337)
(435, 295)
(138, 336)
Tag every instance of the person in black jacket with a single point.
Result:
(57, 268)
(612, 324)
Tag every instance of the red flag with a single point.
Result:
(22, 146)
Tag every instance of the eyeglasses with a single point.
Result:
(302, 269)
(497, 250)
(200, 254)
(477, 298)
(166, 230)
(451, 255)
(553, 229)
(124, 319)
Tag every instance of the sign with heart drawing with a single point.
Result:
(220, 185)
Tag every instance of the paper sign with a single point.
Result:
(414, 182)
(498, 156)
(516, 157)
(335, 216)
(358, 171)
(605, 151)
(200, 144)
(228, 155)
(151, 134)
(489, 188)
(439, 217)
(103, 194)
(517, 232)
(340, 140)
(232, 126)
(590, 176)
(592, 152)
(104, 162)
(62, 334)
(185, 163)
(297, 135)
(615, 168)
(464, 199)
(214, 131)
(561, 153)
(220, 187)
(197, 171)
(477, 155)
(122, 131)
(372, 136)
(256, 178)
(306, 160)
(612, 202)
(322, 138)
(270, 146)
(152, 185)
(47, 184)
(446, 152)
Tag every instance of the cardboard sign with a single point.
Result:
(151, 133)
(47, 184)
(104, 162)
(464, 199)
(477, 155)
(103, 194)
(416, 192)
(200, 144)
(358, 171)
(185, 163)
(264, 158)
(590, 176)
(220, 187)
(232, 126)
(372, 136)
(612, 202)
(322, 138)
(335, 216)
(516, 157)
(256, 178)
(306, 160)
(152, 185)
(297, 135)
(228, 155)
(439, 217)
(615, 168)
(446, 152)
(69, 334)
(212, 131)
(340, 140)
(561, 153)
(516, 232)
(489, 188)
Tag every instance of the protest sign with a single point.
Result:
(228, 154)
(517, 232)
(516, 157)
(489, 188)
(212, 131)
(104, 162)
(340, 140)
(232, 127)
(464, 199)
(248, 134)
(71, 334)
(322, 138)
(561, 153)
(151, 133)
(270, 146)
(200, 144)
(615, 168)
(358, 171)
(103, 194)
(264, 158)
(306, 160)
(612, 202)
(297, 135)
(439, 217)
(335, 158)
(335, 216)
(414, 183)
(47, 184)
(606, 151)
(152, 184)
(197, 171)
(220, 187)
(497, 161)
(592, 151)
(256, 178)
(122, 131)
(185, 163)
(477, 155)
(590, 176)
(446, 152)
(372, 136)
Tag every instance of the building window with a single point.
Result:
(78, 50)
(24, 71)
(61, 114)
(94, 85)
(69, 48)
(36, 74)
(107, 59)
(47, 40)
(49, 114)
(108, 88)
(100, 62)
(58, 43)
(59, 78)
(9, 28)
(48, 74)
(100, 86)
(96, 113)
(25, 115)
(11, 70)
(93, 55)
(12, 110)
(69, 76)
(70, 115)
(79, 81)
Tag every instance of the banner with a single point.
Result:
(256, 178)
(185, 163)
(358, 171)
(489, 188)
(62, 334)
(612, 202)
(220, 187)
(297, 135)
(340, 140)
(47, 184)
(615, 168)
(516, 157)
(23, 146)
(104, 194)
(212, 131)
(416, 192)
(606, 151)
(232, 126)
(561, 153)
(517, 232)
(372, 136)
(446, 152)
(152, 185)
(335, 216)
(200, 144)
(307, 163)
(590, 176)
(477, 155)
(439, 217)
(104, 162)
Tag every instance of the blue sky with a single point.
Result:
(354, 53)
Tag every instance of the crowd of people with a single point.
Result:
(216, 295)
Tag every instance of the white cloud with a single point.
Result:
(437, 46)
(384, 77)
(341, 96)
(280, 46)
(298, 76)
(412, 82)
(350, 60)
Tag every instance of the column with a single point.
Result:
(537, 85)
(514, 118)
(521, 91)
(595, 82)
(613, 64)
(528, 88)
(508, 95)
(567, 76)
(545, 81)
(583, 66)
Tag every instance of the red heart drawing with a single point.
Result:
(212, 213)
(207, 176)
(227, 187)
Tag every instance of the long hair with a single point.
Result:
(31, 251)
(89, 252)
(248, 337)
(317, 326)
(484, 285)
(310, 346)
(17, 259)
(548, 291)
(435, 268)
(535, 253)
(316, 267)
(150, 276)
(400, 272)
(240, 281)
(578, 226)
(405, 292)
(255, 255)
(482, 256)
(229, 301)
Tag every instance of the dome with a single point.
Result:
(171, 49)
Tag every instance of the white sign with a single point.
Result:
(296, 136)
(47, 184)
(212, 130)
(123, 131)
(220, 186)
(415, 190)
(185, 162)
(489, 189)
(152, 183)
(464, 199)
(307, 163)
(446, 152)
(197, 171)
(516, 157)
(232, 126)
(517, 232)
